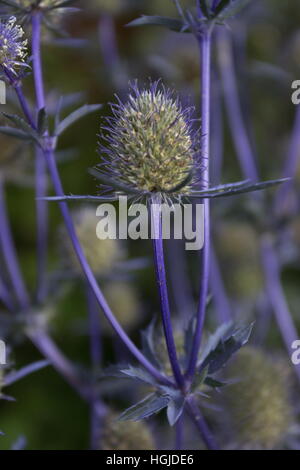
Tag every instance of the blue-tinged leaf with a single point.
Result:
(220, 7)
(14, 132)
(148, 347)
(175, 408)
(232, 9)
(204, 8)
(23, 126)
(214, 339)
(236, 188)
(75, 116)
(213, 383)
(139, 374)
(149, 406)
(226, 348)
(13, 377)
(200, 378)
(173, 24)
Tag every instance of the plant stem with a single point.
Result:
(9, 254)
(42, 224)
(276, 295)
(205, 48)
(52, 167)
(233, 107)
(159, 262)
(200, 423)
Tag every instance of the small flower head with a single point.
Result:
(101, 254)
(125, 435)
(124, 302)
(259, 403)
(13, 48)
(150, 145)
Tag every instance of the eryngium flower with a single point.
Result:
(259, 403)
(125, 435)
(13, 49)
(150, 145)
(41, 4)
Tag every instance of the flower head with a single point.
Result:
(259, 403)
(129, 435)
(13, 49)
(150, 145)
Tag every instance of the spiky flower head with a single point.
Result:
(124, 302)
(13, 49)
(41, 4)
(125, 435)
(259, 403)
(150, 146)
(101, 254)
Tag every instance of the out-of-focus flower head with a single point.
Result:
(149, 145)
(101, 254)
(13, 48)
(125, 435)
(259, 403)
(124, 302)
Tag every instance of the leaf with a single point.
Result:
(214, 339)
(148, 347)
(12, 4)
(13, 132)
(226, 348)
(138, 374)
(173, 24)
(149, 406)
(236, 188)
(175, 408)
(204, 8)
(200, 378)
(22, 124)
(75, 116)
(42, 121)
(221, 6)
(214, 383)
(233, 9)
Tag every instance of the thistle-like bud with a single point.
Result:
(101, 254)
(150, 145)
(125, 435)
(237, 246)
(259, 403)
(13, 49)
(124, 302)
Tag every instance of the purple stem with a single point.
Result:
(205, 47)
(200, 423)
(290, 165)
(159, 262)
(108, 41)
(179, 433)
(276, 295)
(94, 328)
(53, 171)
(42, 224)
(220, 298)
(233, 107)
(269, 258)
(37, 60)
(9, 254)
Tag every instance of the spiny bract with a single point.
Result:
(101, 254)
(125, 435)
(13, 49)
(150, 143)
(259, 402)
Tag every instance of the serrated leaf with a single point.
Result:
(75, 116)
(173, 24)
(175, 408)
(23, 126)
(226, 348)
(138, 374)
(149, 406)
(200, 378)
(13, 377)
(214, 340)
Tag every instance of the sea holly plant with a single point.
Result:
(150, 148)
